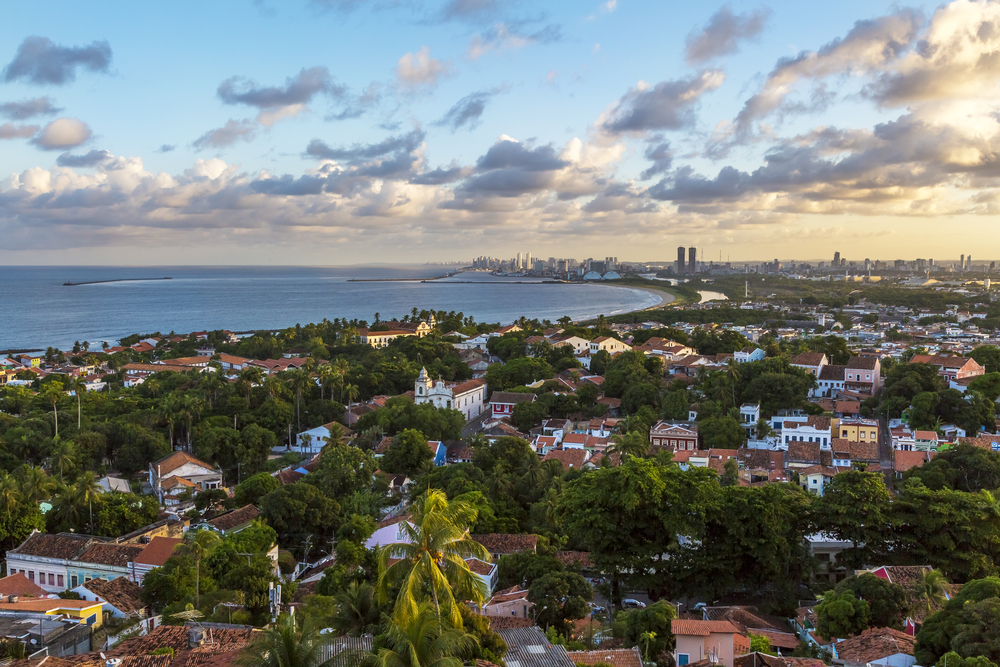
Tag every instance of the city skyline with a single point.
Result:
(336, 132)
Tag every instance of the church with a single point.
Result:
(468, 397)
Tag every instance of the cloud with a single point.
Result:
(662, 157)
(723, 33)
(166, 148)
(25, 109)
(39, 61)
(93, 158)
(227, 135)
(420, 69)
(11, 131)
(61, 134)
(441, 176)
(669, 105)
(511, 36)
(471, 10)
(276, 102)
(404, 143)
(468, 111)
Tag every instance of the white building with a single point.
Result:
(468, 397)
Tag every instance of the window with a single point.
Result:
(52, 579)
(31, 576)
(61, 581)
(683, 659)
(73, 581)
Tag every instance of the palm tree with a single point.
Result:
(352, 394)
(632, 443)
(204, 541)
(52, 393)
(283, 645)
(647, 638)
(250, 376)
(357, 611)
(426, 641)
(298, 380)
(189, 409)
(929, 592)
(326, 374)
(63, 457)
(77, 385)
(432, 560)
(170, 410)
(10, 492)
(336, 436)
(86, 491)
(36, 486)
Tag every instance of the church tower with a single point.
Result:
(422, 387)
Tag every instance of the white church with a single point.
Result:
(468, 397)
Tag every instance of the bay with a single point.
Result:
(39, 311)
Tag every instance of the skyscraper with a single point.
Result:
(692, 260)
(836, 259)
(680, 259)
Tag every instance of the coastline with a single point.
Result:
(665, 297)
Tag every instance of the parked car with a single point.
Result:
(595, 608)
(629, 603)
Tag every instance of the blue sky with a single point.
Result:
(322, 132)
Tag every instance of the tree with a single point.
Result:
(977, 635)
(121, 513)
(649, 627)
(198, 547)
(675, 405)
(86, 491)
(952, 659)
(432, 561)
(730, 475)
(987, 356)
(962, 468)
(408, 454)
(78, 385)
(299, 510)
(855, 507)
(252, 489)
(988, 385)
(633, 443)
(760, 644)
(721, 432)
(52, 393)
(357, 612)
(424, 641)
(560, 597)
(938, 631)
(63, 458)
(841, 615)
(284, 645)
(929, 593)
(887, 601)
(528, 415)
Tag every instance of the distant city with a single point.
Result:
(688, 264)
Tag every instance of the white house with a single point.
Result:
(45, 559)
(120, 596)
(467, 397)
(748, 354)
(180, 469)
(389, 531)
(815, 429)
(313, 440)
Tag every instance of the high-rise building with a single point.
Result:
(692, 260)
(680, 260)
(836, 259)
(527, 261)
(961, 263)
(968, 263)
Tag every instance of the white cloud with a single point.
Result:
(61, 134)
(420, 69)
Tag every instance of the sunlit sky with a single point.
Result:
(356, 131)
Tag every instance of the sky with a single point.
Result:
(332, 132)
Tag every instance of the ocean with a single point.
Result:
(39, 311)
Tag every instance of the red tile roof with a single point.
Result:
(116, 555)
(236, 518)
(874, 644)
(506, 543)
(692, 627)
(623, 657)
(18, 584)
(158, 551)
(176, 460)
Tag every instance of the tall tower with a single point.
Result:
(836, 259)
(680, 260)
(961, 263)
(968, 263)
(692, 260)
(527, 261)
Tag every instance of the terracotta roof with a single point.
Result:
(623, 657)
(506, 543)
(478, 566)
(570, 459)
(515, 592)
(467, 386)
(704, 628)
(176, 460)
(809, 359)
(874, 644)
(236, 518)
(509, 623)
(832, 372)
(782, 639)
(906, 460)
(906, 576)
(53, 546)
(579, 559)
(176, 637)
(800, 451)
(158, 551)
(864, 362)
(45, 605)
(748, 617)
(118, 555)
(122, 594)
(392, 521)
(765, 660)
(18, 584)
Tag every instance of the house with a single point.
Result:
(502, 402)
(674, 436)
(102, 560)
(19, 585)
(717, 641)
(118, 484)
(951, 368)
(510, 602)
(233, 522)
(313, 440)
(748, 354)
(233, 363)
(608, 344)
(810, 362)
(904, 460)
(390, 531)
(756, 659)
(858, 430)
(570, 459)
(154, 554)
(379, 339)
(504, 544)
(832, 380)
(815, 478)
(468, 397)
(83, 612)
(527, 646)
(485, 572)
(749, 619)
(864, 374)
(925, 441)
(618, 657)
(44, 558)
(814, 429)
(120, 596)
(885, 647)
(180, 469)
(439, 452)
(909, 577)
(803, 454)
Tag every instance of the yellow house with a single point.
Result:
(857, 430)
(80, 611)
(381, 338)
